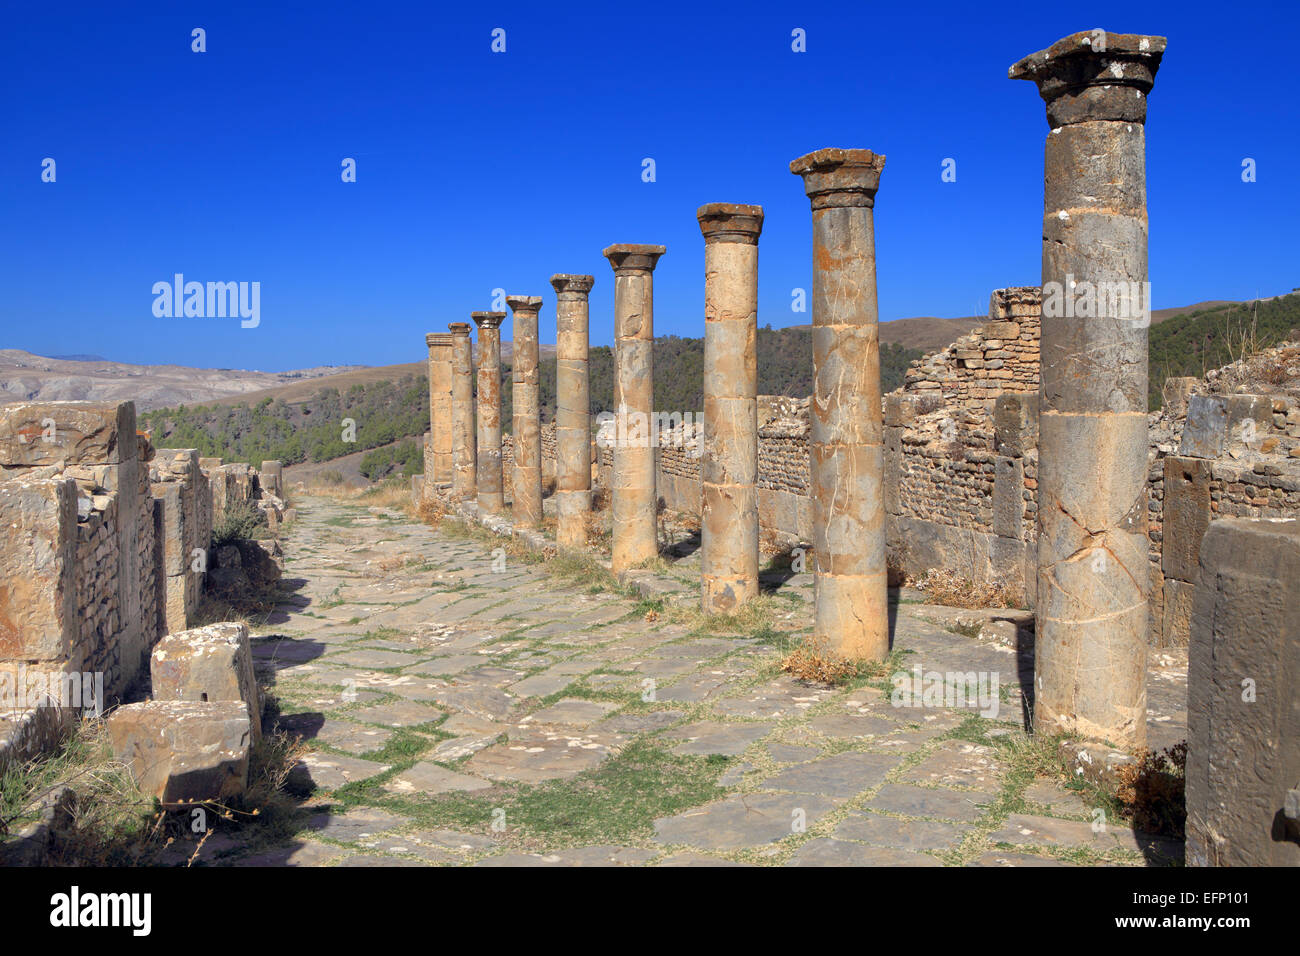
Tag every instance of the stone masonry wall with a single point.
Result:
(105, 545)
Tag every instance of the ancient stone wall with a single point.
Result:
(106, 542)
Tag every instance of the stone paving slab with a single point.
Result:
(542, 753)
(715, 737)
(875, 829)
(841, 776)
(429, 778)
(743, 820)
(829, 852)
(937, 802)
(956, 763)
(582, 856)
(331, 771)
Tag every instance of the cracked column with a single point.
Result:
(464, 442)
(526, 480)
(491, 499)
(437, 450)
(847, 436)
(572, 409)
(632, 491)
(729, 523)
(1090, 660)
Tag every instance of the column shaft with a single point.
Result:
(464, 438)
(491, 497)
(633, 499)
(573, 410)
(847, 435)
(526, 480)
(437, 450)
(729, 523)
(1090, 649)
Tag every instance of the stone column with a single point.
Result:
(846, 442)
(526, 480)
(464, 443)
(491, 499)
(437, 450)
(729, 469)
(632, 491)
(572, 410)
(1090, 660)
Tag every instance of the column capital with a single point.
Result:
(564, 282)
(730, 222)
(630, 258)
(458, 328)
(1094, 75)
(437, 339)
(487, 320)
(524, 303)
(834, 177)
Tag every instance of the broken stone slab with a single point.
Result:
(183, 751)
(1206, 429)
(47, 433)
(212, 663)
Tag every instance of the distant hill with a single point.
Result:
(36, 378)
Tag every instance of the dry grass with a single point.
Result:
(112, 823)
(948, 588)
(1150, 792)
(812, 663)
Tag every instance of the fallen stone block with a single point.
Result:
(212, 663)
(184, 751)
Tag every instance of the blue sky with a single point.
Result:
(479, 170)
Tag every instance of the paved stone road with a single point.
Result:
(462, 712)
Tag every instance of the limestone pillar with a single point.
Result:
(632, 491)
(572, 410)
(1090, 660)
(526, 480)
(464, 442)
(729, 468)
(437, 450)
(491, 499)
(846, 443)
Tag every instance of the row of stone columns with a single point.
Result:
(1090, 671)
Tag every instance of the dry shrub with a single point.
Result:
(1151, 791)
(950, 589)
(817, 664)
(651, 616)
(431, 511)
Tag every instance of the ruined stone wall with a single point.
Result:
(106, 542)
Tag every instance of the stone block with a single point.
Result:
(184, 751)
(38, 565)
(208, 663)
(213, 663)
(1015, 423)
(1177, 622)
(78, 433)
(1243, 721)
(1205, 432)
(1008, 497)
(1186, 515)
(900, 409)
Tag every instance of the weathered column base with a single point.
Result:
(572, 508)
(849, 612)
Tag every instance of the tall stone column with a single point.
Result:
(847, 448)
(1090, 652)
(572, 409)
(729, 469)
(464, 440)
(526, 481)
(437, 450)
(632, 491)
(491, 498)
